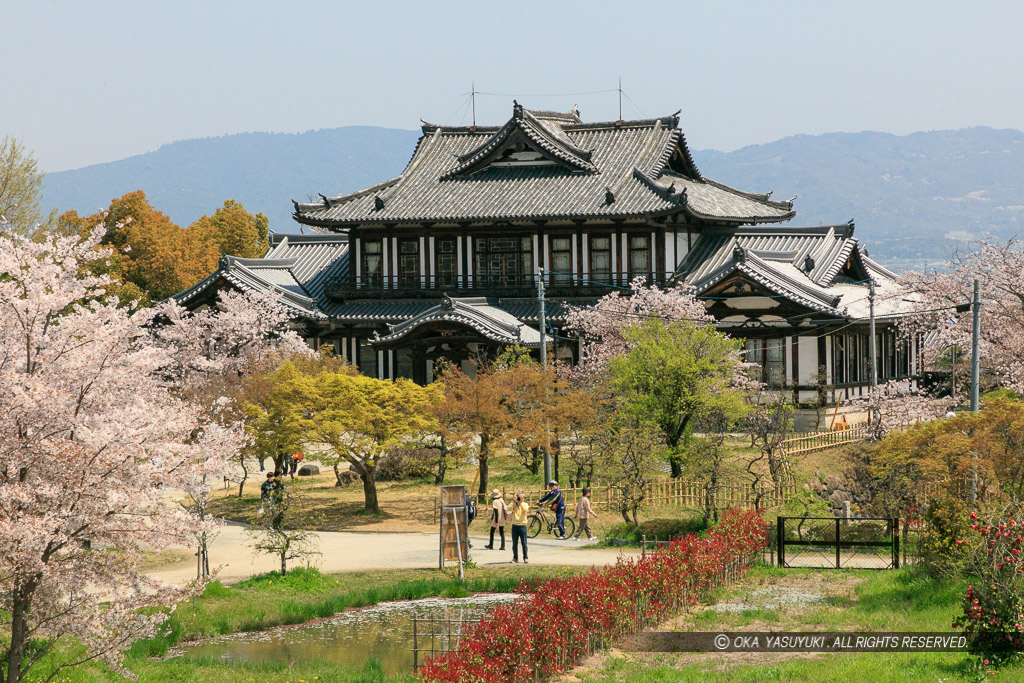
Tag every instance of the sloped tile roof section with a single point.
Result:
(296, 268)
(475, 313)
(620, 170)
(781, 278)
(819, 267)
(819, 252)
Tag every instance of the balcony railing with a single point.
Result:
(399, 287)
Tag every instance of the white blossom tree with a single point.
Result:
(999, 268)
(91, 439)
(601, 326)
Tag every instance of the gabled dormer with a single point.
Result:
(530, 138)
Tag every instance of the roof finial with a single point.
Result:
(609, 196)
(327, 202)
(739, 254)
(378, 203)
(517, 110)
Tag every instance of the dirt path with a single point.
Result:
(353, 551)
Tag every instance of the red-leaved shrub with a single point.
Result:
(559, 620)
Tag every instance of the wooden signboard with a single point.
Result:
(454, 526)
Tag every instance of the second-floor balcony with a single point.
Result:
(404, 287)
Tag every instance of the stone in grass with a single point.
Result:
(308, 470)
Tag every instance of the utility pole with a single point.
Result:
(975, 344)
(871, 341)
(975, 366)
(544, 364)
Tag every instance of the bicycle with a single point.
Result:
(536, 521)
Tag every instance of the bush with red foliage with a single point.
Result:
(559, 621)
(993, 612)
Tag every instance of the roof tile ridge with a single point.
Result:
(753, 258)
(756, 196)
(828, 275)
(668, 121)
(540, 136)
(570, 146)
(345, 198)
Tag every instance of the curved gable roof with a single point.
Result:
(620, 169)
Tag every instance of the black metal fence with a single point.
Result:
(838, 543)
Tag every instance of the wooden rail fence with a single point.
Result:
(821, 441)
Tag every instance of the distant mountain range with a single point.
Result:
(914, 198)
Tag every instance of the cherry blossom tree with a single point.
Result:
(998, 266)
(601, 326)
(235, 337)
(92, 437)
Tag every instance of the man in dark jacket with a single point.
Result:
(557, 500)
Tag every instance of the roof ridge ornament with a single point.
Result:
(447, 303)
(378, 203)
(609, 196)
(739, 254)
(326, 201)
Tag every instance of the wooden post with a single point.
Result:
(780, 531)
(415, 645)
(837, 542)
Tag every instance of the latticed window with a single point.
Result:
(446, 262)
(409, 263)
(561, 259)
(367, 359)
(601, 259)
(503, 260)
(373, 262)
(639, 255)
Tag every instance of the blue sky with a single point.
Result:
(93, 81)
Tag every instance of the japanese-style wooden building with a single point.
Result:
(444, 259)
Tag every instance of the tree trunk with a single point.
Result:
(284, 565)
(370, 490)
(337, 473)
(245, 475)
(624, 511)
(677, 467)
(21, 604)
(556, 450)
(535, 460)
(485, 451)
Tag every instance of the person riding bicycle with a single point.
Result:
(557, 500)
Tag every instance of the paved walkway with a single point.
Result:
(351, 551)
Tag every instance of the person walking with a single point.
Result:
(557, 500)
(266, 491)
(499, 513)
(584, 513)
(519, 510)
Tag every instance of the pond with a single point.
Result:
(383, 631)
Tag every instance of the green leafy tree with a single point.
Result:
(21, 188)
(674, 374)
(360, 419)
(234, 231)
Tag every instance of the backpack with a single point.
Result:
(470, 508)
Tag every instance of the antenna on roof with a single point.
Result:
(620, 98)
(472, 94)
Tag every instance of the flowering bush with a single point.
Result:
(993, 618)
(560, 620)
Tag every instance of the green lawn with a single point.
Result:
(904, 600)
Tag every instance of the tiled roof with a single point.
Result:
(802, 264)
(297, 267)
(577, 170)
(492, 323)
(828, 247)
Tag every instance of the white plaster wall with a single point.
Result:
(807, 358)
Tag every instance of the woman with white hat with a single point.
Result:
(499, 513)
